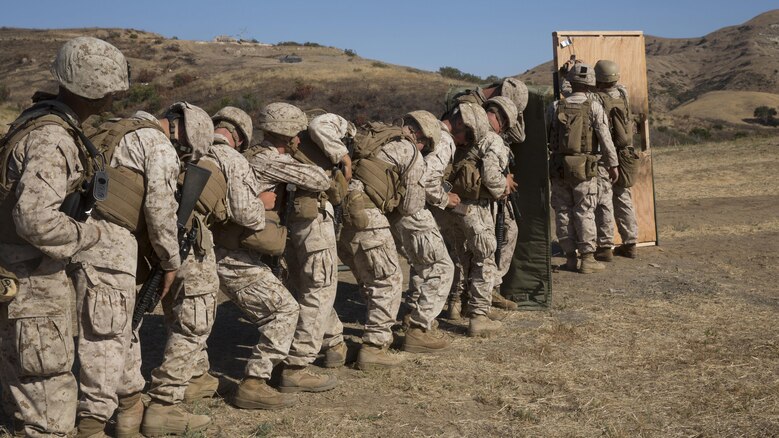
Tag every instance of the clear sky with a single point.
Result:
(493, 37)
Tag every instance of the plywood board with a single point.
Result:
(627, 49)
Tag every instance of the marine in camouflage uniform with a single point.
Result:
(516, 91)
(104, 276)
(369, 249)
(311, 249)
(190, 307)
(36, 337)
(474, 218)
(574, 203)
(614, 200)
(432, 270)
(313, 253)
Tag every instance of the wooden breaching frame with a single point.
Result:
(627, 49)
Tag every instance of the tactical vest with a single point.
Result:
(382, 180)
(39, 115)
(307, 203)
(126, 187)
(212, 203)
(620, 120)
(575, 134)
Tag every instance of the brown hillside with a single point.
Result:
(743, 57)
(214, 74)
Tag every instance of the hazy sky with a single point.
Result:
(496, 37)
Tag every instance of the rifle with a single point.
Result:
(80, 203)
(513, 201)
(195, 180)
(289, 208)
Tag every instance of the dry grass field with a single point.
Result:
(682, 342)
(729, 106)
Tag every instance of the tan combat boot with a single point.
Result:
(501, 302)
(454, 312)
(254, 393)
(419, 340)
(91, 428)
(627, 250)
(129, 416)
(335, 356)
(371, 358)
(481, 325)
(200, 387)
(163, 419)
(590, 265)
(301, 379)
(604, 254)
(571, 262)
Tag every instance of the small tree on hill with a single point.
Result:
(765, 115)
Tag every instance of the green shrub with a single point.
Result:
(455, 73)
(379, 64)
(350, 53)
(181, 79)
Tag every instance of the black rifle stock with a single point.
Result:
(289, 208)
(195, 180)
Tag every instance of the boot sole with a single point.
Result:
(293, 389)
(421, 349)
(604, 259)
(162, 431)
(374, 366)
(253, 404)
(199, 396)
(334, 364)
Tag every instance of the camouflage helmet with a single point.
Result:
(197, 125)
(475, 118)
(283, 119)
(515, 90)
(507, 107)
(237, 118)
(91, 68)
(581, 73)
(606, 71)
(429, 124)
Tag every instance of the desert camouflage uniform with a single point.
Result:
(372, 254)
(246, 279)
(108, 350)
(478, 226)
(510, 235)
(574, 204)
(614, 203)
(313, 253)
(432, 267)
(190, 309)
(36, 337)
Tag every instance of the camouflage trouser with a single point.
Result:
(510, 235)
(604, 210)
(313, 258)
(574, 206)
(36, 347)
(108, 351)
(455, 243)
(372, 255)
(432, 268)
(625, 215)
(474, 246)
(250, 284)
(190, 308)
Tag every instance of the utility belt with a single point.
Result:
(269, 241)
(308, 205)
(355, 208)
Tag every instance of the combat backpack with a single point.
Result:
(620, 120)
(574, 132)
(382, 180)
(212, 203)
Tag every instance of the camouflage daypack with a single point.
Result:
(382, 180)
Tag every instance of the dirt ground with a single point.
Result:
(682, 342)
